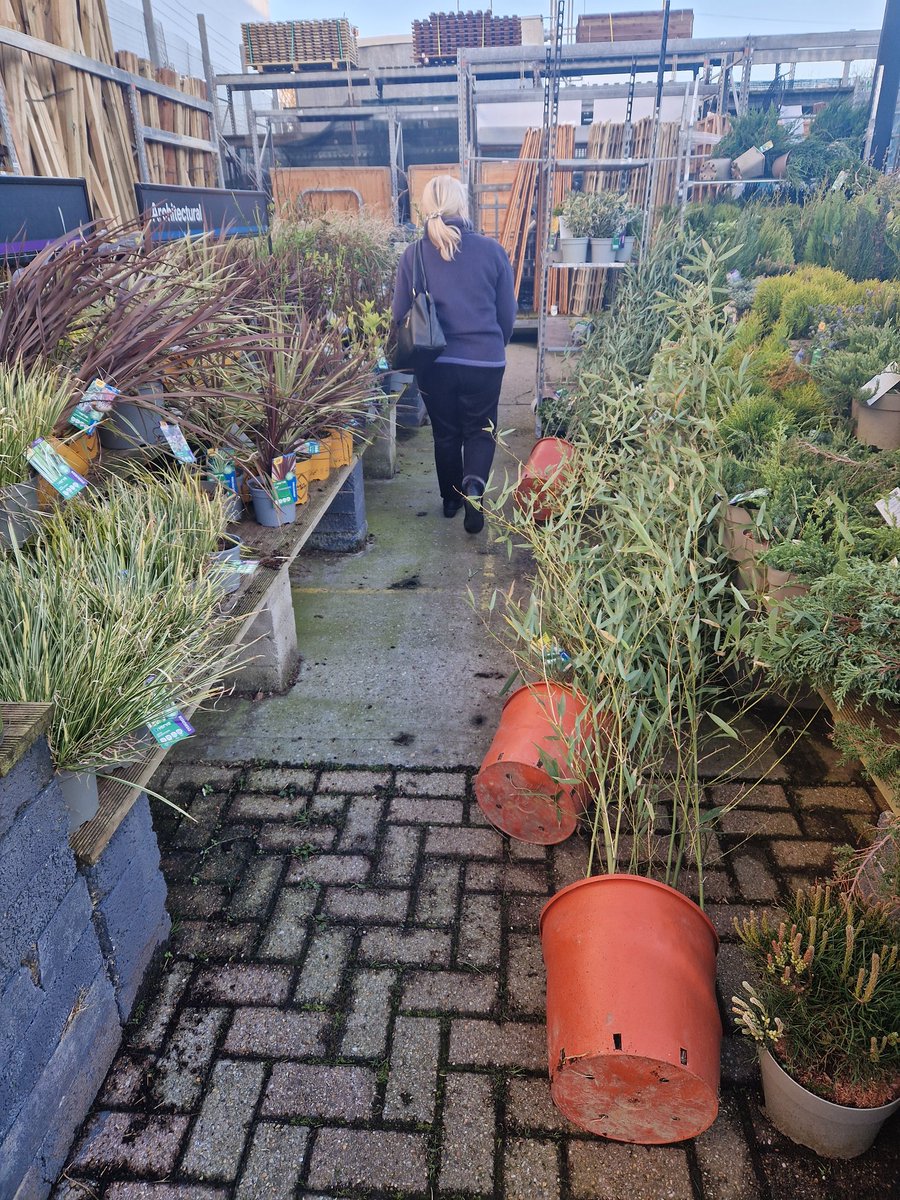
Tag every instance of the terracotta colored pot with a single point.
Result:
(879, 424)
(542, 474)
(514, 789)
(783, 585)
(633, 1029)
(738, 542)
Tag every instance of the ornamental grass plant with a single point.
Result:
(826, 996)
(32, 402)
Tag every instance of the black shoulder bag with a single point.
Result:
(420, 338)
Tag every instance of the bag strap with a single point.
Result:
(419, 270)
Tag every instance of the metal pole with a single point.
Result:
(251, 127)
(393, 150)
(150, 30)
(215, 126)
(137, 128)
(6, 130)
(884, 106)
(654, 146)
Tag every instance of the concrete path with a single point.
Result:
(353, 1000)
(398, 666)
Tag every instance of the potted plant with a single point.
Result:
(110, 619)
(609, 215)
(825, 1013)
(32, 400)
(576, 213)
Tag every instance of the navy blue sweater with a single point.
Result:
(473, 294)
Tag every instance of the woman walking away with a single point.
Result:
(471, 284)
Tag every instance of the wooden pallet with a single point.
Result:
(276, 549)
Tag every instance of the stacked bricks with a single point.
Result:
(441, 35)
(59, 1022)
(344, 526)
(330, 42)
(355, 1002)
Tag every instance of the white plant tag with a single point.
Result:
(889, 508)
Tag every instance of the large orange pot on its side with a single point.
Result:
(514, 789)
(541, 474)
(633, 1028)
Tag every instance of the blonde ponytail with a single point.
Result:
(444, 196)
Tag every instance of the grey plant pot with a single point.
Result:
(18, 512)
(265, 511)
(625, 252)
(227, 581)
(130, 426)
(602, 250)
(832, 1130)
(573, 250)
(79, 789)
(234, 505)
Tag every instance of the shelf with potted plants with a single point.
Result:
(624, 638)
(194, 339)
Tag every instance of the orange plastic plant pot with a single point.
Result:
(302, 487)
(514, 789)
(319, 465)
(541, 476)
(340, 447)
(633, 1028)
(76, 456)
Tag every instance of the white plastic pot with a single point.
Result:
(832, 1130)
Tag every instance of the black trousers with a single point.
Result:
(462, 406)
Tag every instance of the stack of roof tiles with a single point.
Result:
(440, 35)
(300, 43)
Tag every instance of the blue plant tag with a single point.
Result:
(174, 435)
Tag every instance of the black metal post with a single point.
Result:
(886, 98)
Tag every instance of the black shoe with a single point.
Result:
(452, 506)
(474, 518)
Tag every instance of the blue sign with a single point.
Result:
(177, 212)
(35, 212)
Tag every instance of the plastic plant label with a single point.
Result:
(383, 364)
(54, 468)
(95, 404)
(618, 241)
(177, 442)
(170, 728)
(244, 566)
(889, 508)
(285, 491)
(310, 446)
(221, 469)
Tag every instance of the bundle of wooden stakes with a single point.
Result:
(521, 214)
(68, 123)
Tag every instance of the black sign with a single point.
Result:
(35, 212)
(177, 212)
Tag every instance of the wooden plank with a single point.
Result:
(372, 183)
(418, 175)
(276, 549)
(23, 724)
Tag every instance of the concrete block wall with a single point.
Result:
(344, 526)
(74, 947)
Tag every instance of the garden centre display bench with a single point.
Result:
(262, 615)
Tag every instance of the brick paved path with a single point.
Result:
(353, 1003)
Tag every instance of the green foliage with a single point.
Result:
(827, 1000)
(32, 401)
(597, 214)
(844, 636)
(755, 127)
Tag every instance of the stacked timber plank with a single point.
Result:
(172, 164)
(633, 26)
(441, 35)
(607, 139)
(295, 44)
(68, 123)
(521, 214)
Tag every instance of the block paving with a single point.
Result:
(352, 1001)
